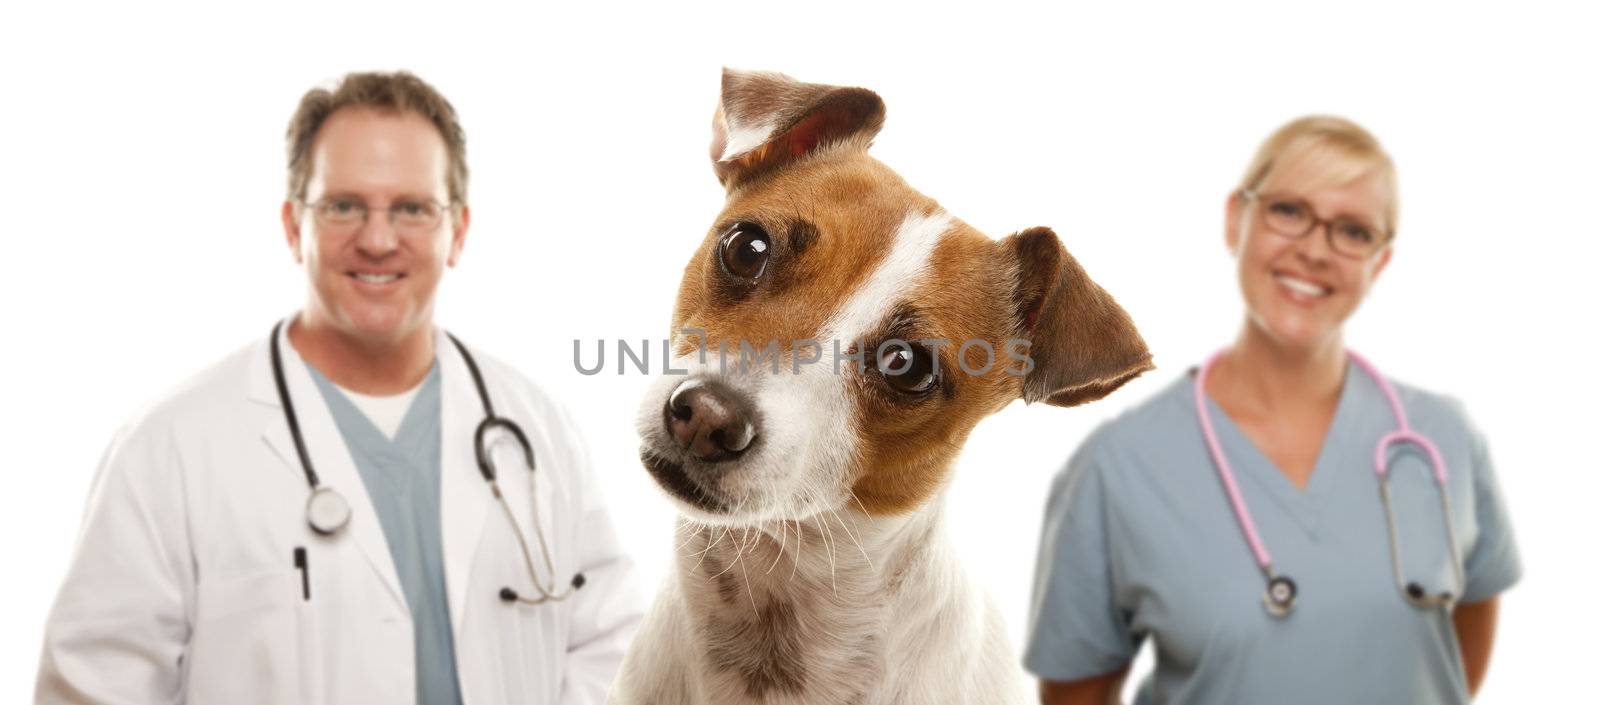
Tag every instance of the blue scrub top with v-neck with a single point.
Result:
(401, 477)
(1140, 542)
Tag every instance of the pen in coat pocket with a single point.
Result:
(304, 567)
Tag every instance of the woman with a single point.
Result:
(1257, 470)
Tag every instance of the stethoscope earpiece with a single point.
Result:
(509, 595)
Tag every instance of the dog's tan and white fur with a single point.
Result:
(813, 566)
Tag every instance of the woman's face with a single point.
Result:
(1299, 291)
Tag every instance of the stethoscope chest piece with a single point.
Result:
(1279, 598)
(327, 511)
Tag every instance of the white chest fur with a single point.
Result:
(841, 608)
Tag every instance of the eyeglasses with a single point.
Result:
(408, 216)
(1292, 217)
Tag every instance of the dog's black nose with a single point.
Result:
(709, 421)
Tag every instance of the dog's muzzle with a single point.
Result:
(709, 425)
(709, 421)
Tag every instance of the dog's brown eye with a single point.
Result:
(906, 367)
(744, 250)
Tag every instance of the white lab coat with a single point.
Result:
(183, 587)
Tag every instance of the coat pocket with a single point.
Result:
(247, 642)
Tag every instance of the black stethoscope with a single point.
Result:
(327, 511)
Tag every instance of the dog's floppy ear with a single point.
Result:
(766, 120)
(1084, 345)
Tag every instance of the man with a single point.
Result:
(308, 521)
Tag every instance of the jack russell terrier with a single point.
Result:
(813, 565)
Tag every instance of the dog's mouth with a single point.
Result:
(680, 483)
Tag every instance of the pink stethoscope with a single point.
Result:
(1281, 590)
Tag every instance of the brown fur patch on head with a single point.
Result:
(832, 219)
(914, 443)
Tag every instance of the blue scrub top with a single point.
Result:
(401, 477)
(1141, 541)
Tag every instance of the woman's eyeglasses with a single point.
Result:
(1292, 217)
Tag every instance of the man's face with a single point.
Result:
(374, 281)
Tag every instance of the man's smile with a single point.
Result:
(376, 278)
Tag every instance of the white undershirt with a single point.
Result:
(385, 412)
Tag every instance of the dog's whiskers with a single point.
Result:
(693, 534)
(863, 506)
(853, 540)
(799, 545)
(784, 541)
(827, 542)
(724, 532)
(738, 552)
(727, 568)
(699, 531)
(708, 548)
(746, 573)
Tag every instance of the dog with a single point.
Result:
(809, 470)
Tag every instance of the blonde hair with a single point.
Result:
(1337, 150)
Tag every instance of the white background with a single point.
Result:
(143, 171)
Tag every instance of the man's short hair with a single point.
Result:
(399, 91)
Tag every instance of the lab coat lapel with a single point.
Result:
(464, 496)
(335, 468)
